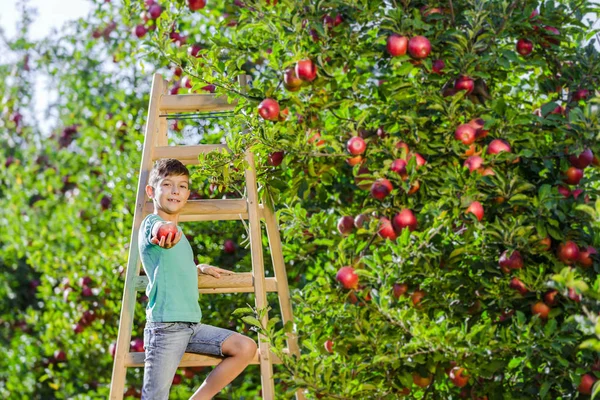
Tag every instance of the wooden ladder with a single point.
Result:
(156, 147)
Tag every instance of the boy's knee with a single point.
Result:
(249, 347)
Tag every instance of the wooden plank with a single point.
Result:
(238, 283)
(117, 385)
(187, 154)
(210, 207)
(195, 102)
(190, 360)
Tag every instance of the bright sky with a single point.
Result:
(51, 14)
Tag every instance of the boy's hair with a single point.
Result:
(166, 167)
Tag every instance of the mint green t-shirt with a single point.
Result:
(172, 278)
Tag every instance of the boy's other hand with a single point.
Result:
(167, 241)
(213, 271)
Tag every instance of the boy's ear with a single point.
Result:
(149, 191)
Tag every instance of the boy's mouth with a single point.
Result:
(173, 201)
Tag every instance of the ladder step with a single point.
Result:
(237, 283)
(209, 210)
(195, 102)
(186, 154)
(191, 360)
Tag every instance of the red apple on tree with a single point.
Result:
(476, 209)
(291, 81)
(464, 83)
(419, 47)
(568, 252)
(510, 260)
(329, 345)
(229, 246)
(437, 66)
(405, 219)
(458, 376)
(195, 5)
(140, 31)
(194, 50)
(586, 384)
(497, 146)
(269, 109)
(275, 158)
(360, 220)
(473, 163)
(541, 309)
(416, 297)
(585, 257)
(573, 175)
(154, 11)
(581, 94)
(524, 47)
(478, 124)
(137, 345)
(400, 289)
(399, 166)
(347, 277)
(345, 225)
(381, 188)
(306, 70)
(550, 297)
(386, 229)
(583, 160)
(573, 295)
(465, 133)
(356, 145)
(396, 45)
(420, 381)
(518, 285)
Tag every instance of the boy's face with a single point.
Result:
(170, 194)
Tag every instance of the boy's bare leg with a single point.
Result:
(240, 350)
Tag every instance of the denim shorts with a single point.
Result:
(165, 344)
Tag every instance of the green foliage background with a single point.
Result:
(66, 199)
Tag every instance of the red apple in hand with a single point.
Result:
(524, 47)
(476, 209)
(419, 47)
(347, 277)
(269, 109)
(195, 5)
(405, 219)
(306, 70)
(381, 188)
(397, 45)
(356, 145)
(166, 229)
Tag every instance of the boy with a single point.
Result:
(173, 314)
